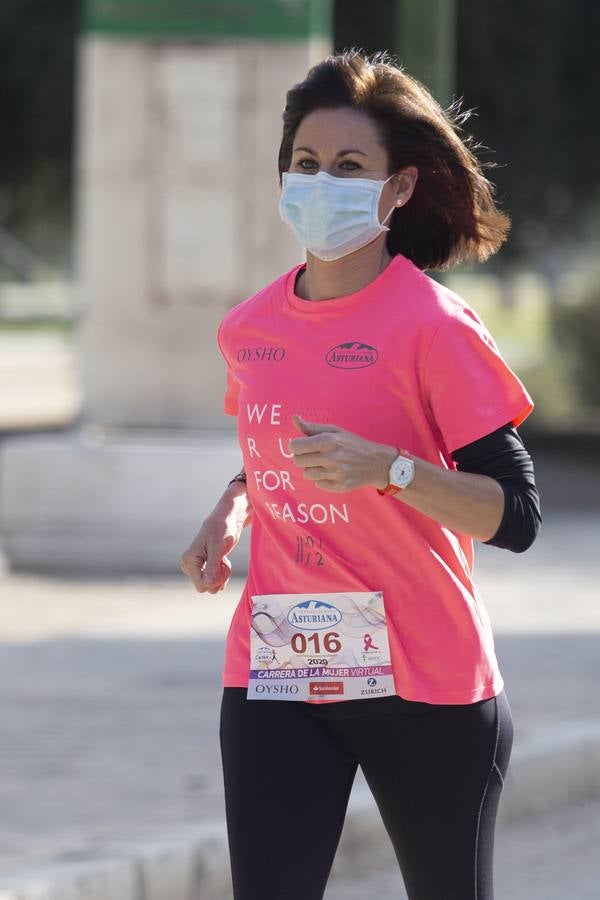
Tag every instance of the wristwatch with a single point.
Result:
(401, 473)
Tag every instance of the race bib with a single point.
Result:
(307, 646)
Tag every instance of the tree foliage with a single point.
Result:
(532, 71)
(37, 49)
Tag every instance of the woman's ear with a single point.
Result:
(405, 184)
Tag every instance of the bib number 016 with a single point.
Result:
(321, 643)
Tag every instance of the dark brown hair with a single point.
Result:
(451, 215)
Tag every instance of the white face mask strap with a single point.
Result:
(388, 215)
(396, 202)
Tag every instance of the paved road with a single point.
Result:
(109, 689)
(554, 857)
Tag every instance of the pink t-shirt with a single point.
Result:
(404, 361)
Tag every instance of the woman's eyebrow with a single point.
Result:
(341, 152)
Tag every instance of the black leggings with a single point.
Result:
(436, 773)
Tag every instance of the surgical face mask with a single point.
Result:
(332, 216)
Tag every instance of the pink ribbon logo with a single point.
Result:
(369, 645)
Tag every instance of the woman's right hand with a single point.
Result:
(205, 560)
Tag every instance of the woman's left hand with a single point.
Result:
(339, 460)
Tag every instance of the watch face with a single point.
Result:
(402, 471)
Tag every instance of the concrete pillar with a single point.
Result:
(177, 180)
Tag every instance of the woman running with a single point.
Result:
(377, 422)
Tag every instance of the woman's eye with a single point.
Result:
(310, 163)
(349, 165)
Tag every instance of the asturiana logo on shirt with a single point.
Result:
(351, 355)
(313, 615)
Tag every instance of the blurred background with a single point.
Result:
(138, 203)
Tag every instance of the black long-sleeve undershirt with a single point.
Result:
(503, 456)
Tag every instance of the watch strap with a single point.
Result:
(392, 488)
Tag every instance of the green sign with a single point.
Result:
(274, 19)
